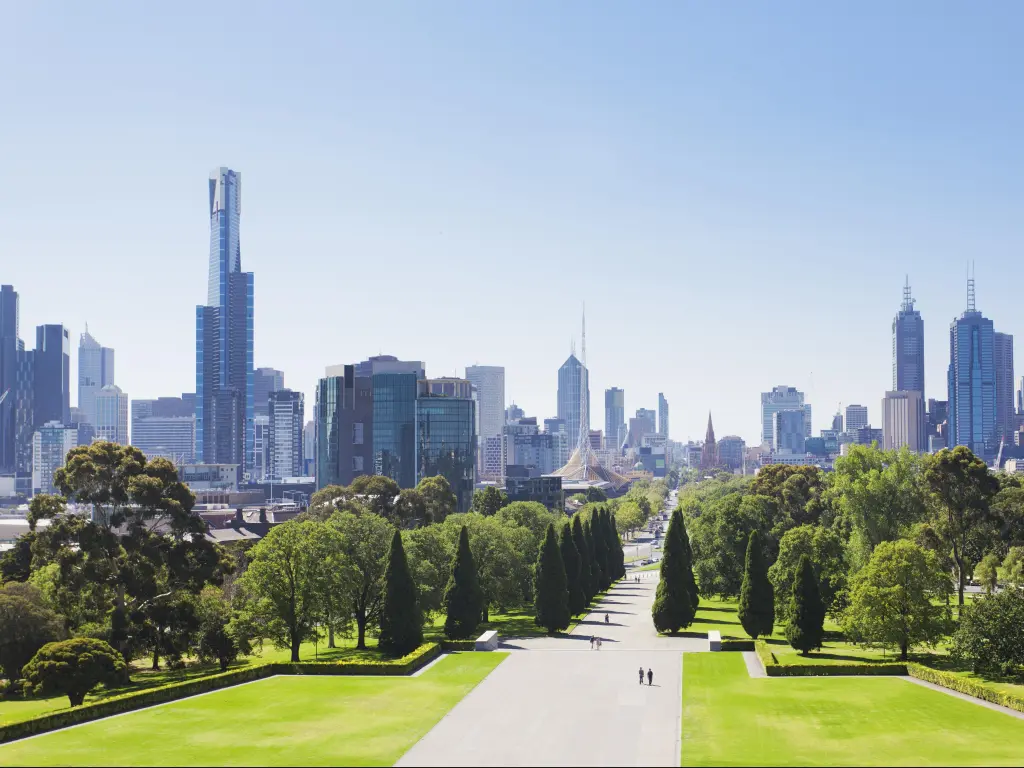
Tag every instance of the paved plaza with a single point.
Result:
(555, 701)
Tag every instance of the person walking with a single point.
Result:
(606, 621)
(641, 675)
(599, 643)
(650, 677)
(592, 638)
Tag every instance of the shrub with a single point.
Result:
(965, 685)
(991, 633)
(73, 668)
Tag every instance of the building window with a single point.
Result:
(357, 463)
(357, 434)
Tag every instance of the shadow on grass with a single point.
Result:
(700, 620)
(703, 607)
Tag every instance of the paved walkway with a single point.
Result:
(556, 702)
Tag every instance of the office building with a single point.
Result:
(903, 421)
(837, 422)
(544, 490)
(225, 398)
(111, 406)
(265, 381)
(614, 418)
(971, 381)
(490, 461)
(52, 387)
(561, 444)
(395, 386)
(731, 450)
(95, 371)
(651, 419)
(781, 398)
(489, 381)
(868, 435)
(1002, 364)
(50, 446)
(856, 417)
(171, 437)
(260, 470)
(10, 344)
(790, 431)
(513, 412)
(446, 435)
(938, 416)
(309, 447)
(907, 348)
(662, 415)
(570, 378)
(284, 447)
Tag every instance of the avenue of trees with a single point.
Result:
(885, 545)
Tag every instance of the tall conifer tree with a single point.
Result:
(551, 595)
(401, 623)
(806, 614)
(672, 609)
(463, 598)
(571, 561)
(757, 597)
(586, 572)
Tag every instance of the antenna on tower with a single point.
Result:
(908, 301)
(970, 290)
(584, 437)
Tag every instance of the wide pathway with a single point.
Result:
(555, 701)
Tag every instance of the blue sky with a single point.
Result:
(736, 190)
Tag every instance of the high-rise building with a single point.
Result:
(790, 431)
(111, 423)
(9, 346)
(309, 447)
(260, 470)
(50, 446)
(52, 360)
(165, 427)
(662, 415)
(570, 378)
(445, 416)
(856, 417)
(731, 450)
(489, 381)
(1002, 363)
(650, 418)
(287, 416)
(971, 381)
(224, 337)
(709, 451)
(614, 418)
(265, 381)
(903, 421)
(513, 412)
(561, 444)
(1020, 397)
(781, 398)
(344, 420)
(907, 347)
(837, 422)
(95, 371)
(395, 385)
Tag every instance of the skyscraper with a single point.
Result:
(111, 423)
(52, 376)
(395, 386)
(971, 381)
(663, 415)
(1002, 353)
(95, 371)
(903, 421)
(781, 398)
(614, 418)
(287, 416)
(446, 435)
(50, 445)
(570, 376)
(9, 346)
(265, 381)
(907, 347)
(165, 427)
(856, 417)
(224, 337)
(790, 431)
(489, 381)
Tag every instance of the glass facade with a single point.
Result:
(971, 384)
(569, 397)
(95, 371)
(394, 427)
(446, 443)
(111, 405)
(330, 393)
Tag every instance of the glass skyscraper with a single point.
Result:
(446, 435)
(224, 337)
(614, 418)
(908, 347)
(971, 381)
(95, 371)
(569, 397)
(9, 346)
(394, 427)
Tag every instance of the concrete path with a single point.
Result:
(554, 701)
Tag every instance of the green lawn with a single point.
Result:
(283, 720)
(731, 719)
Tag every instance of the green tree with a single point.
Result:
(26, 625)
(216, 641)
(596, 577)
(463, 598)
(628, 518)
(600, 550)
(806, 613)
(991, 633)
(73, 668)
(438, 497)
(596, 494)
(961, 491)
(551, 594)
(489, 500)
(719, 535)
(364, 546)
(673, 610)
(987, 572)
(573, 569)
(401, 623)
(1013, 565)
(824, 549)
(691, 583)
(16, 562)
(757, 598)
(586, 572)
(894, 599)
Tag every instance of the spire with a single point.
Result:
(710, 436)
(583, 445)
(908, 301)
(970, 291)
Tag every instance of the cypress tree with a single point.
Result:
(463, 598)
(401, 623)
(550, 594)
(600, 548)
(757, 597)
(691, 583)
(806, 614)
(586, 574)
(615, 542)
(595, 565)
(672, 609)
(571, 561)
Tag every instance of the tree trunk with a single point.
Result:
(330, 637)
(295, 647)
(903, 651)
(76, 698)
(223, 664)
(156, 656)
(361, 626)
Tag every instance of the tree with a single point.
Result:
(991, 633)
(16, 562)
(586, 573)
(438, 497)
(987, 572)
(73, 668)
(806, 613)
(401, 623)
(26, 625)
(216, 641)
(673, 610)
(571, 561)
(596, 577)
(824, 549)
(1013, 565)
(719, 536)
(617, 558)
(757, 598)
(600, 550)
(551, 595)
(364, 548)
(628, 518)
(961, 490)
(894, 598)
(463, 598)
(596, 494)
(489, 500)
(691, 584)
(501, 552)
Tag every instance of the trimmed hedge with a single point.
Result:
(765, 655)
(737, 645)
(964, 685)
(458, 645)
(127, 702)
(773, 668)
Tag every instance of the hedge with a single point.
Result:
(773, 668)
(737, 645)
(126, 702)
(965, 685)
(458, 645)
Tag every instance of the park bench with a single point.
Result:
(714, 640)
(488, 641)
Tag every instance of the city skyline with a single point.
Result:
(837, 199)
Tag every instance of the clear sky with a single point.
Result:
(737, 190)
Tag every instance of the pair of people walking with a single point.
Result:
(595, 642)
(650, 676)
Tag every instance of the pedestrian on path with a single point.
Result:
(641, 675)
(599, 643)
(650, 677)
(592, 638)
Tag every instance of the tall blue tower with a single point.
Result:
(972, 381)
(224, 337)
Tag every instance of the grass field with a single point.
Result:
(283, 720)
(731, 719)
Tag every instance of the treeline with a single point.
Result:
(889, 537)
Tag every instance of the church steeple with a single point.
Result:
(709, 452)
